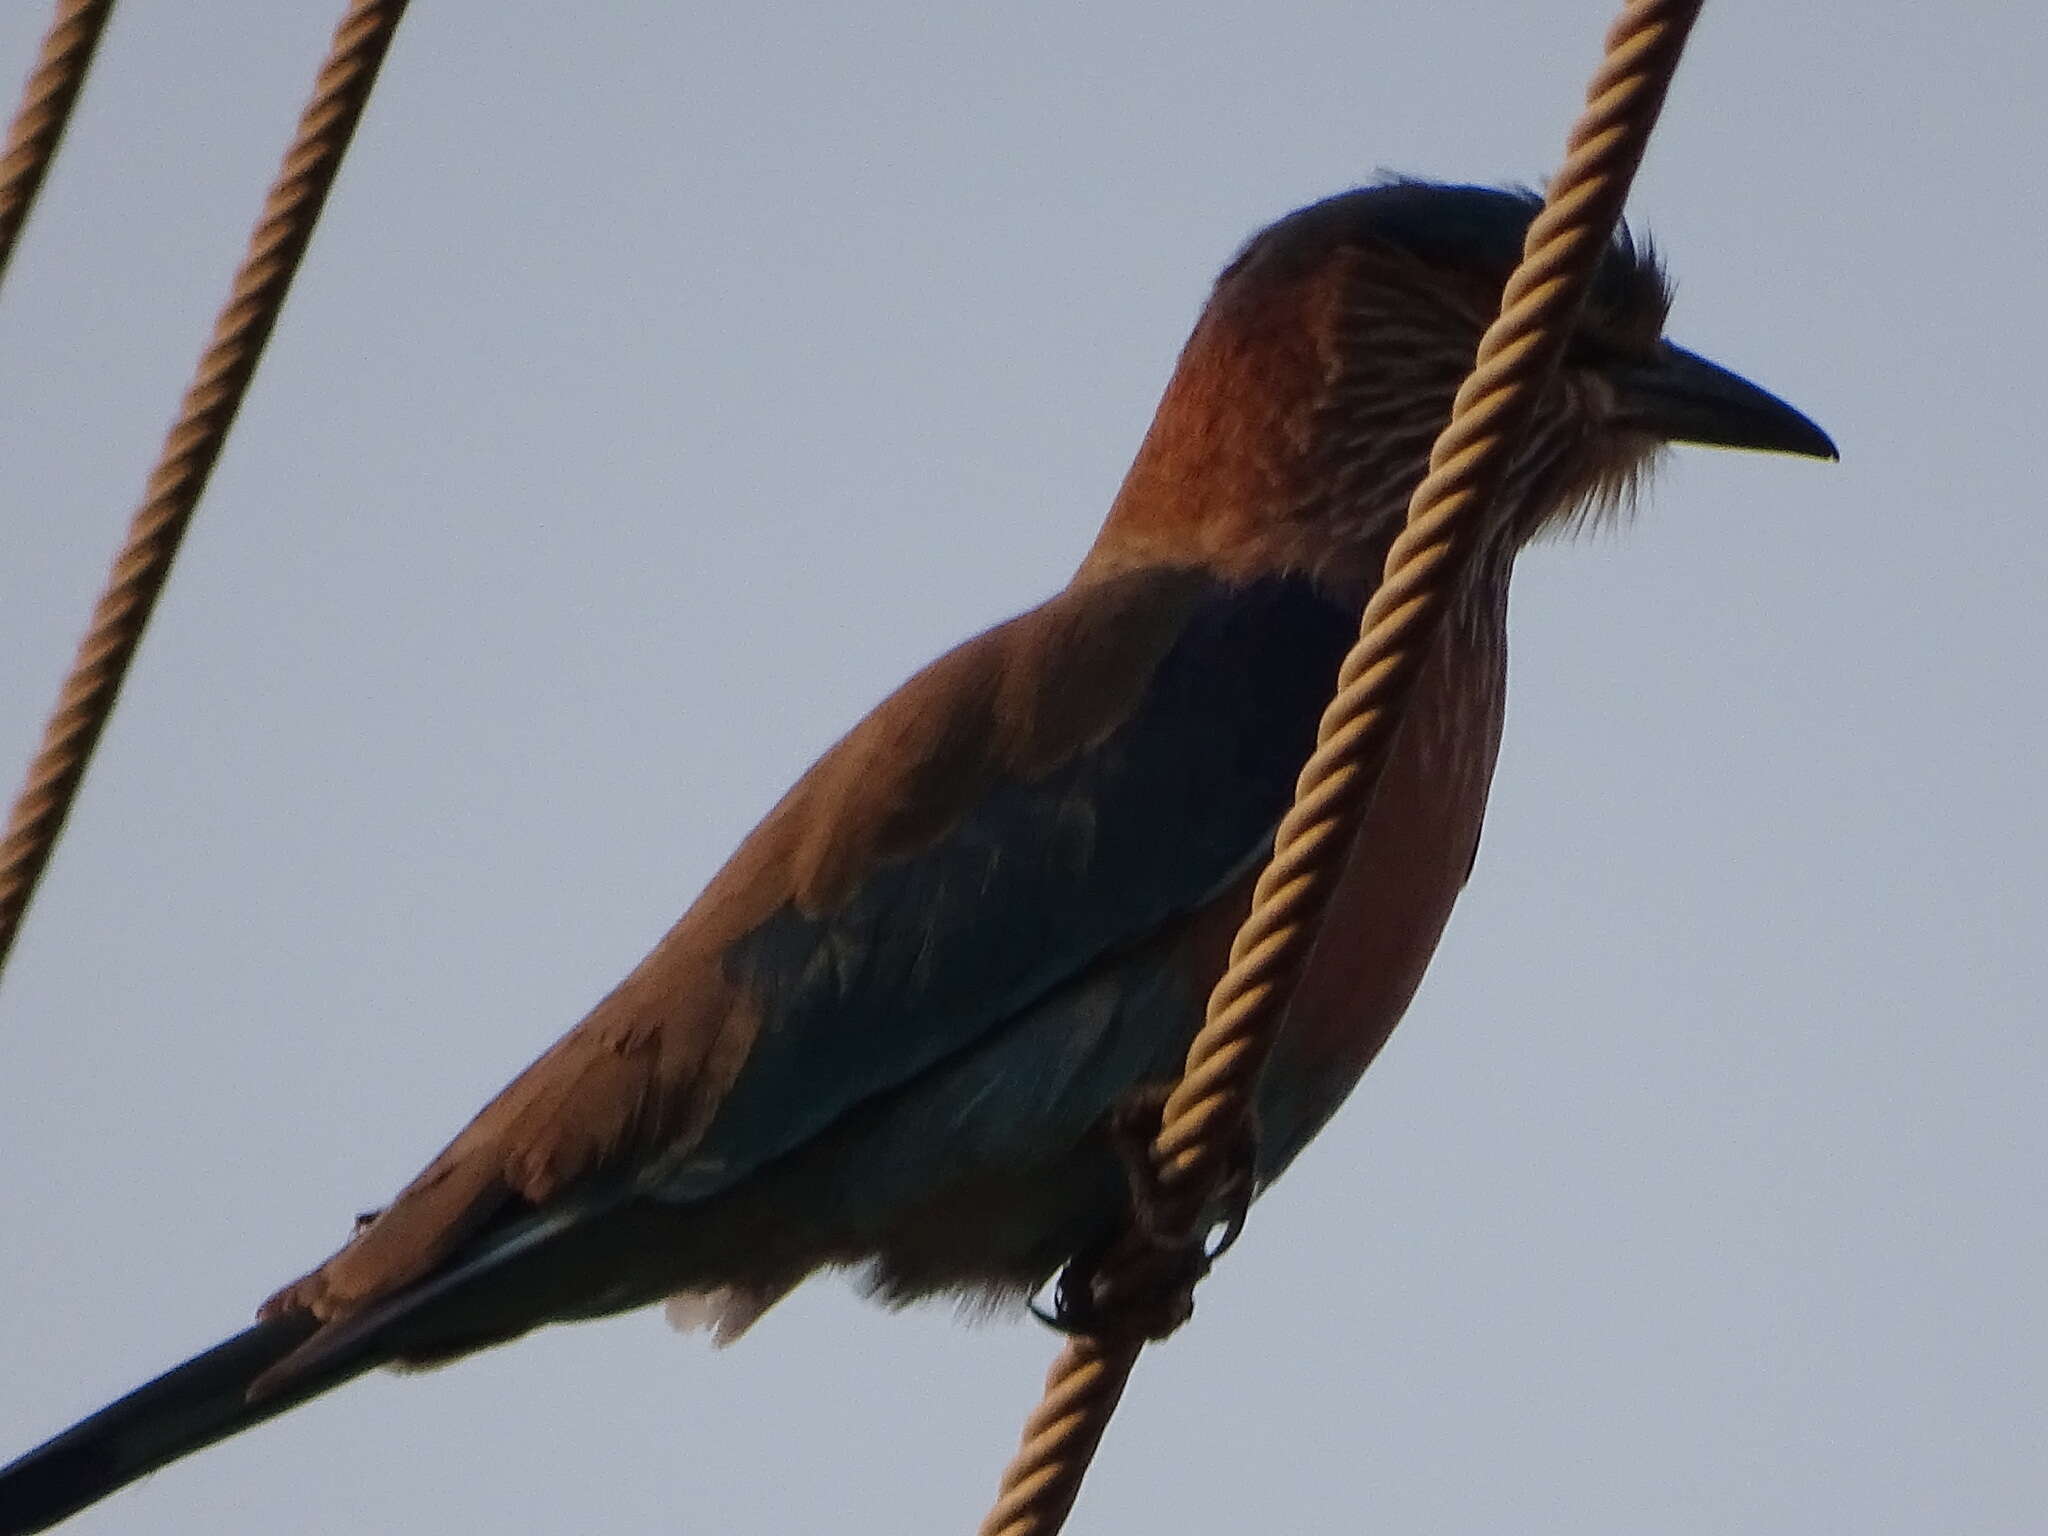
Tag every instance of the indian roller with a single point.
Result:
(896, 1030)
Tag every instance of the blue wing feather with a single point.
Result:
(1041, 877)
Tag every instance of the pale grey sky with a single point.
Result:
(666, 382)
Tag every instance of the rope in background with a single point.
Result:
(1205, 1114)
(46, 102)
(190, 450)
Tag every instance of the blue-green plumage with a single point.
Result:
(1039, 878)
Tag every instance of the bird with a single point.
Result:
(897, 1033)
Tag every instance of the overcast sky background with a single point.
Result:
(666, 382)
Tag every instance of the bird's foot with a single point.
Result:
(1133, 1129)
(1125, 1290)
(1142, 1284)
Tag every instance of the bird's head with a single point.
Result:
(1301, 414)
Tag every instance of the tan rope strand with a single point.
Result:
(190, 451)
(1467, 462)
(46, 102)
(1044, 1478)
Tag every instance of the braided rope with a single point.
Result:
(1491, 413)
(46, 102)
(190, 451)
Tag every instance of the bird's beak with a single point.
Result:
(1683, 398)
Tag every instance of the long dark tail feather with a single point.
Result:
(282, 1362)
(191, 1406)
(440, 1317)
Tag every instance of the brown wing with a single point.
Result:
(640, 1079)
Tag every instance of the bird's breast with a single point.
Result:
(1399, 883)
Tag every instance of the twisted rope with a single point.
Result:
(190, 451)
(1044, 1478)
(1207, 1108)
(46, 103)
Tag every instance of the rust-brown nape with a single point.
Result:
(1223, 464)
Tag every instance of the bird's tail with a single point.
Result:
(204, 1400)
(285, 1360)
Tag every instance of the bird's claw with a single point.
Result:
(1145, 1293)
(1143, 1284)
(1134, 1127)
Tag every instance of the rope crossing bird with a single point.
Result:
(909, 1026)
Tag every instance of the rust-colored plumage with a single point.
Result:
(892, 1031)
